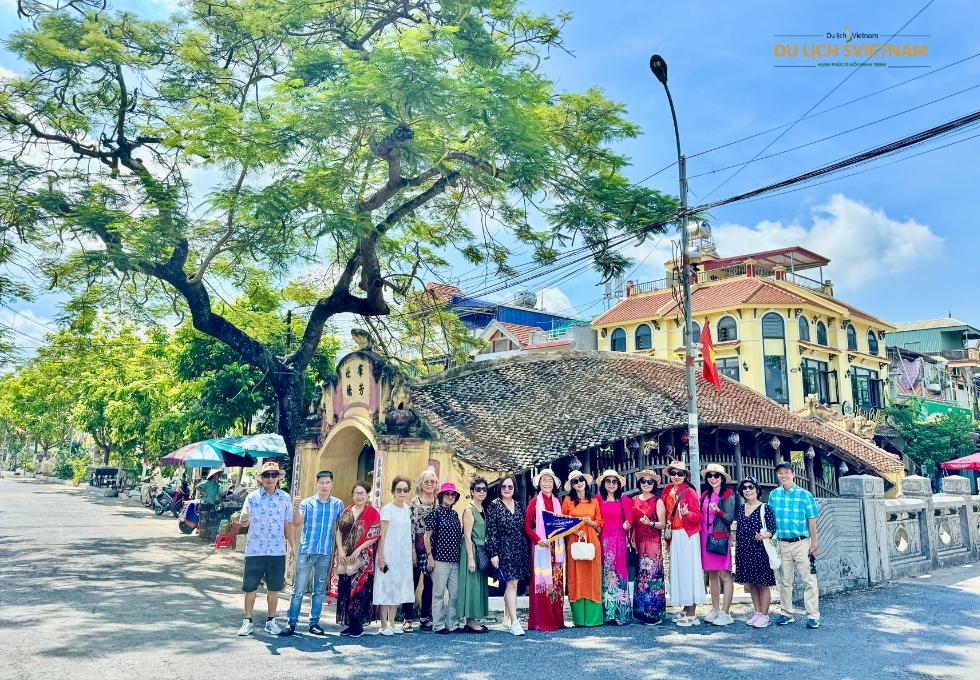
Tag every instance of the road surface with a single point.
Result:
(93, 587)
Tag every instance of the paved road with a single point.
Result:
(94, 588)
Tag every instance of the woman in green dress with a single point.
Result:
(472, 603)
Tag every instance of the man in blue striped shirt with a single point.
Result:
(796, 528)
(317, 515)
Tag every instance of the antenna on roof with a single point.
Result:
(619, 286)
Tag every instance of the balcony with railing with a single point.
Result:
(965, 354)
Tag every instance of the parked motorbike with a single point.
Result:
(147, 491)
(169, 499)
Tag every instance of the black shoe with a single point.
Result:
(443, 631)
(482, 629)
(356, 633)
(315, 629)
(425, 625)
(287, 631)
(346, 631)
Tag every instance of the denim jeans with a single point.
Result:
(320, 566)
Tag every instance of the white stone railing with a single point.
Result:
(866, 539)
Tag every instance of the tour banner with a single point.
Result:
(559, 526)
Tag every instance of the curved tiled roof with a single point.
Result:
(515, 413)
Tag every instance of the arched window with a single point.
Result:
(774, 357)
(618, 340)
(643, 337)
(821, 333)
(872, 343)
(804, 329)
(852, 337)
(727, 329)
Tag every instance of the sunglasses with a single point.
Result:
(748, 487)
(676, 473)
(580, 480)
(647, 481)
(269, 475)
(479, 489)
(401, 489)
(712, 475)
(507, 487)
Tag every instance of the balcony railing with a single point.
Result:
(966, 354)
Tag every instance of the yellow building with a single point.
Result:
(775, 329)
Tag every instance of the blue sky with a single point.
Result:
(902, 238)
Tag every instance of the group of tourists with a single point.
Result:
(610, 563)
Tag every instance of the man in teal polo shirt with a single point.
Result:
(796, 528)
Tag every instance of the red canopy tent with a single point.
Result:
(971, 462)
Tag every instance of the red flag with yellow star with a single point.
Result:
(710, 370)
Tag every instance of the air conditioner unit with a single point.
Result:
(934, 387)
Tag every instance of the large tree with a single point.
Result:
(157, 164)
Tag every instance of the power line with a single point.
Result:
(838, 134)
(818, 103)
(863, 157)
(834, 108)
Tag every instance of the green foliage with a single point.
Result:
(368, 138)
(79, 469)
(934, 441)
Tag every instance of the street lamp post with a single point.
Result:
(659, 68)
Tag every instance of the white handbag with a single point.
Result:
(775, 561)
(583, 550)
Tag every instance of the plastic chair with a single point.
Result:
(228, 540)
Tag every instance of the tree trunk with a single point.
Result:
(290, 404)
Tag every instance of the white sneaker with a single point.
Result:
(515, 628)
(272, 627)
(246, 628)
(710, 618)
(723, 619)
(689, 621)
(397, 630)
(387, 631)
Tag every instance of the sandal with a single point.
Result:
(407, 627)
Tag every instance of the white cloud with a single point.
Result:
(555, 301)
(4, 71)
(863, 243)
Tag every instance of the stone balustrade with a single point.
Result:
(866, 539)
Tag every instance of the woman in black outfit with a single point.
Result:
(751, 560)
(508, 549)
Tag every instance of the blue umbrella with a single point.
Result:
(253, 445)
(198, 454)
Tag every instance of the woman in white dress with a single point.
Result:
(393, 583)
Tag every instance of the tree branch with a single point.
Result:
(218, 247)
(417, 201)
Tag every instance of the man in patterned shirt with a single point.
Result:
(268, 514)
(796, 528)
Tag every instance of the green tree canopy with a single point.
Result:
(368, 138)
(934, 441)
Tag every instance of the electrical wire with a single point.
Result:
(818, 103)
(835, 108)
(838, 134)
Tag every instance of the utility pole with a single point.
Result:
(659, 68)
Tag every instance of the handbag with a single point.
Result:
(668, 530)
(583, 550)
(632, 559)
(717, 542)
(482, 558)
(775, 561)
